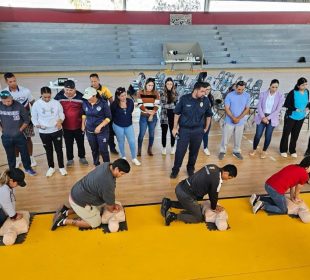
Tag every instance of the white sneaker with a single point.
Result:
(136, 162)
(172, 150)
(294, 155)
(18, 162)
(206, 151)
(33, 161)
(257, 206)
(63, 171)
(50, 172)
(124, 158)
(163, 151)
(283, 154)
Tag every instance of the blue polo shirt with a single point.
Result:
(122, 116)
(237, 103)
(95, 114)
(301, 102)
(192, 111)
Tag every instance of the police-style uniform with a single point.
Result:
(193, 113)
(95, 115)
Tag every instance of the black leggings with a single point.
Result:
(164, 129)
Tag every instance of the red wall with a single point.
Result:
(121, 17)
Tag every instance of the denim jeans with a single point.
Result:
(259, 132)
(121, 133)
(275, 202)
(143, 125)
(17, 141)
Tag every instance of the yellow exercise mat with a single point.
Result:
(255, 247)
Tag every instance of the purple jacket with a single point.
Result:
(275, 113)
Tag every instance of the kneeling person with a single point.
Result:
(207, 180)
(95, 189)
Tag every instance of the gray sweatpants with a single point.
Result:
(192, 212)
(228, 130)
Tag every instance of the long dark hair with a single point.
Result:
(149, 80)
(300, 81)
(118, 92)
(170, 94)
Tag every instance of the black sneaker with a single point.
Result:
(63, 211)
(165, 205)
(58, 222)
(173, 175)
(114, 151)
(170, 217)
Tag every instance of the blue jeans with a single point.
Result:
(205, 138)
(143, 125)
(18, 141)
(259, 132)
(120, 133)
(275, 202)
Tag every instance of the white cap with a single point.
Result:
(89, 93)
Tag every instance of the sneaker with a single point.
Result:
(172, 152)
(206, 151)
(33, 161)
(136, 162)
(221, 156)
(165, 205)
(170, 217)
(63, 171)
(31, 172)
(253, 153)
(114, 151)
(124, 158)
(257, 206)
(263, 154)
(70, 163)
(164, 151)
(173, 175)
(294, 155)
(63, 211)
(83, 161)
(253, 199)
(18, 162)
(238, 156)
(50, 172)
(58, 221)
(283, 155)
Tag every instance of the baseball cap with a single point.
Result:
(18, 176)
(5, 94)
(89, 93)
(69, 84)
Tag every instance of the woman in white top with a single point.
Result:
(10, 179)
(267, 116)
(47, 115)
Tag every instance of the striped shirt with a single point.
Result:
(148, 101)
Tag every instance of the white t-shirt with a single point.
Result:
(269, 103)
(22, 95)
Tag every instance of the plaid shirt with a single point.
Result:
(165, 106)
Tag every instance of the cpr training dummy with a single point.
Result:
(218, 218)
(112, 219)
(12, 223)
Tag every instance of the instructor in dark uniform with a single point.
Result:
(208, 180)
(191, 120)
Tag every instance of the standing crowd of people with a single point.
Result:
(100, 116)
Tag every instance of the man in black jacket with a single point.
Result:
(207, 180)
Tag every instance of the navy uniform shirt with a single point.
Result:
(193, 112)
(207, 180)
